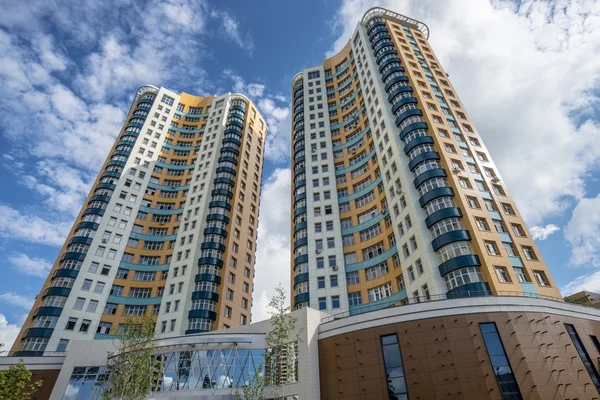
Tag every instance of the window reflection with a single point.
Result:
(394, 370)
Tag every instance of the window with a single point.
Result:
(354, 299)
(71, 324)
(79, 303)
(87, 284)
(394, 369)
(92, 305)
(521, 275)
(540, 277)
(85, 325)
(499, 360)
(518, 230)
(322, 303)
(352, 277)
(320, 262)
(380, 292)
(482, 224)
(502, 274)
(333, 281)
(335, 301)
(491, 247)
(529, 253)
(227, 312)
(473, 203)
(321, 282)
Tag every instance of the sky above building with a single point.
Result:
(528, 73)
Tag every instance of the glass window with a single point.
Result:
(394, 369)
(499, 360)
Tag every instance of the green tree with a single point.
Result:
(15, 382)
(281, 352)
(135, 368)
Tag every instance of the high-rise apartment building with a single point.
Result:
(394, 196)
(169, 226)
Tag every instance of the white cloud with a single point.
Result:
(273, 255)
(8, 334)
(231, 30)
(31, 266)
(542, 232)
(583, 233)
(526, 75)
(30, 228)
(17, 300)
(589, 282)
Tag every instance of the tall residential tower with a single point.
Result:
(168, 228)
(394, 196)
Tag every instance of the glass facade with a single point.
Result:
(394, 369)
(585, 357)
(504, 375)
(195, 370)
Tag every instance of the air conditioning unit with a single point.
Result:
(162, 222)
(335, 267)
(104, 240)
(353, 151)
(319, 251)
(495, 179)
(456, 170)
(399, 192)
(185, 218)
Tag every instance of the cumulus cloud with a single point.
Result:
(273, 254)
(31, 228)
(525, 73)
(583, 233)
(231, 29)
(31, 266)
(8, 334)
(589, 282)
(542, 232)
(17, 300)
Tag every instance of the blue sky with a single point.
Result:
(527, 71)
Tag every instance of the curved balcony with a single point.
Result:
(235, 122)
(222, 192)
(224, 180)
(428, 155)
(51, 311)
(434, 194)
(121, 153)
(298, 89)
(232, 140)
(134, 125)
(69, 273)
(417, 142)
(89, 225)
(73, 256)
(205, 296)
(228, 170)
(300, 242)
(228, 159)
(215, 231)
(301, 298)
(450, 237)
(379, 39)
(468, 260)
(396, 79)
(429, 174)
(381, 43)
(110, 174)
(301, 210)
(391, 71)
(388, 62)
(217, 217)
(206, 314)
(234, 113)
(95, 211)
(408, 129)
(210, 261)
(301, 259)
(110, 186)
(299, 171)
(81, 239)
(301, 278)
(57, 291)
(300, 225)
(442, 214)
(407, 114)
(299, 160)
(375, 29)
(116, 163)
(233, 131)
(239, 108)
(38, 332)
(300, 196)
(385, 53)
(475, 289)
(229, 149)
(212, 245)
(208, 278)
(397, 92)
(100, 197)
